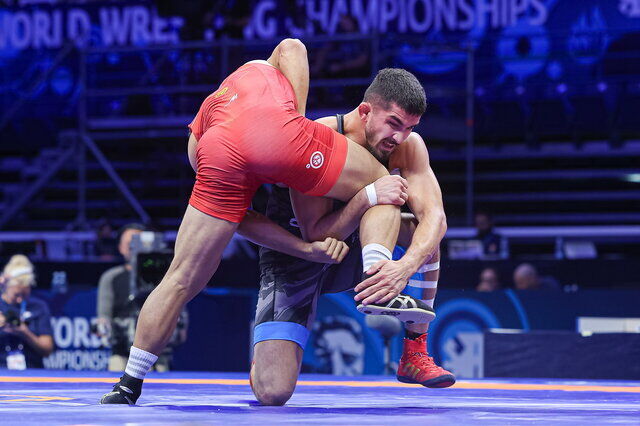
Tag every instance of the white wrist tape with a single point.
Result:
(371, 194)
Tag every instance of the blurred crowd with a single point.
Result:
(525, 276)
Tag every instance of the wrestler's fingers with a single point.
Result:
(367, 291)
(367, 283)
(332, 245)
(344, 250)
(376, 267)
(335, 252)
(388, 297)
(375, 297)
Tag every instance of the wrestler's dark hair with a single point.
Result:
(399, 86)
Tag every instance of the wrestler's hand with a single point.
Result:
(328, 251)
(391, 278)
(391, 189)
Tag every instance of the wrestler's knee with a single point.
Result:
(292, 47)
(272, 390)
(183, 283)
(273, 396)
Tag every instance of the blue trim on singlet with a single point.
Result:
(281, 330)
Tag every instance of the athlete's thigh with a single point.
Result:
(224, 187)
(287, 297)
(199, 245)
(360, 169)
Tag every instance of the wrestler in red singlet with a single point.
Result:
(249, 132)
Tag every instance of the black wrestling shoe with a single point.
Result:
(126, 391)
(404, 307)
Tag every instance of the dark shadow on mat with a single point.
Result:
(255, 408)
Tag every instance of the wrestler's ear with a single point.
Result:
(364, 111)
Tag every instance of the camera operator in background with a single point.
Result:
(118, 308)
(25, 321)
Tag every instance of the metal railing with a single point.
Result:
(81, 243)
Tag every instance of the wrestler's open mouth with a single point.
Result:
(387, 146)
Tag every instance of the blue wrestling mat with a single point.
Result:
(49, 397)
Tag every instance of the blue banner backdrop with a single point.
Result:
(219, 328)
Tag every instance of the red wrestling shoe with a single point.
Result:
(416, 366)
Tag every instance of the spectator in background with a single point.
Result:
(491, 241)
(117, 312)
(106, 242)
(25, 321)
(489, 280)
(343, 59)
(526, 277)
(236, 15)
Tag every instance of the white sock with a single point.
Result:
(422, 284)
(372, 253)
(139, 363)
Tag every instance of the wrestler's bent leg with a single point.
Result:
(275, 369)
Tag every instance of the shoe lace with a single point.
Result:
(426, 361)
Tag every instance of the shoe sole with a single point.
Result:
(438, 382)
(104, 401)
(409, 316)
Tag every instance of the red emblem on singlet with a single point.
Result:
(316, 161)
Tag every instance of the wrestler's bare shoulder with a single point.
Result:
(330, 122)
(407, 151)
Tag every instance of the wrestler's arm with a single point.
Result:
(425, 201)
(262, 231)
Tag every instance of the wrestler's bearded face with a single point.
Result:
(386, 127)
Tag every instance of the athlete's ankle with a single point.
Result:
(139, 363)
